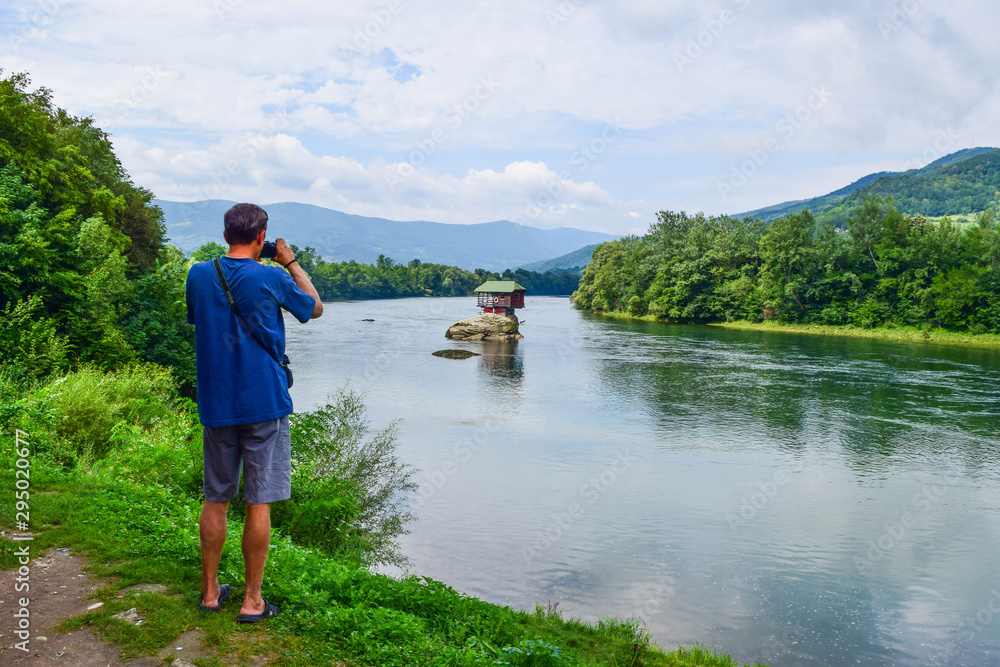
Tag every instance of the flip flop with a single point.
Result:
(269, 611)
(225, 590)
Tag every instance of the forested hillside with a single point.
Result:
(573, 262)
(966, 181)
(967, 185)
(816, 205)
(886, 269)
(85, 276)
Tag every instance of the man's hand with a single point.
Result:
(284, 254)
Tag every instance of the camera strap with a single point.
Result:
(236, 311)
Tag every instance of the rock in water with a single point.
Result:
(455, 354)
(488, 326)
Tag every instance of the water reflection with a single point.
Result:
(879, 409)
(502, 363)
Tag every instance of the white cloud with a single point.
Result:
(362, 82)
(269, 168)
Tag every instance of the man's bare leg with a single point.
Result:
(212, 529)
(256, 538)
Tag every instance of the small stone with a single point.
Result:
(131, 615)
(455, 354)
(42, 639)
(96, 605)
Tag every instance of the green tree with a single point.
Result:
(209, 251)
(789, 260)
(77, 237)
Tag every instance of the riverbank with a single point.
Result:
(129, 502)
(910, 334)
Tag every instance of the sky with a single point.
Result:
(551, 113)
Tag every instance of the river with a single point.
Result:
(789, 499)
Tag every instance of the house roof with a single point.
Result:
(499, 286)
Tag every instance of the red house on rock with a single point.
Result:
(500, 296)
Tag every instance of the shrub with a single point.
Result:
(329, 452)
(29, 339)
(636, 306)
(835, 314)
(870, 314)
(166, 452)
(81, 410)
(323, 513)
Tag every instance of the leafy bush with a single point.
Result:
(81, 411)
(30, 340)
(323, 513)
(534, 653)
(156, 322)
(869, 314)
(166, 452)
(636, 306)
(330, 455)
(208, 252)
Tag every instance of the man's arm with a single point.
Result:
(285, 255)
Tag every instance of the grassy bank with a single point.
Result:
(913, 334)
(115, 470)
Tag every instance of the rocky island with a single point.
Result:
(488, 326)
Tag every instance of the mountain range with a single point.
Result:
(573, 262)
(967, 181)
(340, 237)
(964, 182)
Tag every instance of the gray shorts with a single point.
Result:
(263, 448)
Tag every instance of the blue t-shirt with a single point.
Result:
(238, 381)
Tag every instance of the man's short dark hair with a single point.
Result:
(244, 222)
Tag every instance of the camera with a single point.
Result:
(269, 251)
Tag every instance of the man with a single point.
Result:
(243, 400)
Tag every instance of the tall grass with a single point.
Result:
(76, 416)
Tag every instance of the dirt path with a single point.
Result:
(59, 589)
